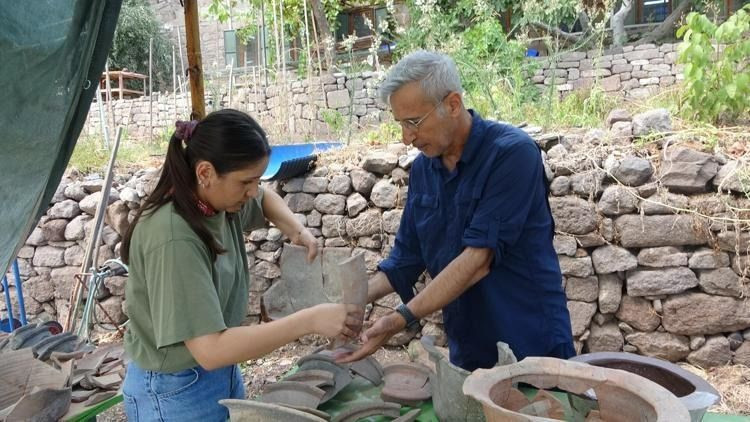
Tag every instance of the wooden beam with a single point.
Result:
(195, 67)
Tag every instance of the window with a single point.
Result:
(239, 54)
(352, 22)
(650, 11)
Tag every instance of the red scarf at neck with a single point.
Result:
(205, 209)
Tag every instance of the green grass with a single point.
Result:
(90, 155)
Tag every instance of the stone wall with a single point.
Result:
(299, 107)
(651, 247)
(633, 72)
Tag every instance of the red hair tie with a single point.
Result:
(184, 129)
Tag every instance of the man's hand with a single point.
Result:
(374, 337)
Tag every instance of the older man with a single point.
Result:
(477, 219)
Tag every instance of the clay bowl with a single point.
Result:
(621, 396)
(406, 383)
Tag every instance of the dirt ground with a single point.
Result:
(733, 381)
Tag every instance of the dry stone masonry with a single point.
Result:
(653, 254)
(319, 106)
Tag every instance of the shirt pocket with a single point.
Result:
(427, 219)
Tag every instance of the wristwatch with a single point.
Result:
(411, 320)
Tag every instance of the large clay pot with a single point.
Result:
(693, 391)
(622, 396)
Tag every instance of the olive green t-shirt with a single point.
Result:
(175, 292)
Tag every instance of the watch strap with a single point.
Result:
(408, 316)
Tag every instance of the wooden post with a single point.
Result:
(108, 87)
(195, 67)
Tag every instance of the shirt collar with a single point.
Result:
(473, 143)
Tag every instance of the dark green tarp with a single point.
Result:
(52, 54)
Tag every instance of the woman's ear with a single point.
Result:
(204, 173)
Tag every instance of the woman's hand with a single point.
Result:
(306, 239)
(333, 320)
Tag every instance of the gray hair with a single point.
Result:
(436, 73)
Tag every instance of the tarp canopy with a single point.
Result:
(52, 54)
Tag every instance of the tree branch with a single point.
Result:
(667, 27)
(556, 32)
(619, 35)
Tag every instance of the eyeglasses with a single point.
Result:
(413, 125)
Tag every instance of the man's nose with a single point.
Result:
(407, 136)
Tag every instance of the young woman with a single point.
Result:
(187, 292)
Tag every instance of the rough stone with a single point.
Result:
(699, 313)
(363, 181)
(265, 269)
(573, 215)
(315, 185)
(665, 256)
(652, 121)
(588, 184)
(384, 194)
(293, 185)
(721, 281)
(696, 342)
(49, 256)
(733, 241)
(117, 217)
(685, 170)
(622, 131)
(40, 288)
(728, 177)
(663, 203)
(380, 162)
(392, 220)
(338, 99)
(633, 171)
(75, 192)
(673, 348)
(705, 258)
(638, 313)
(618, 200)
(560, 186)
(647, 282)
(340, 185)
(610, 293)
(355, 203)
(74, 255)
(582, 289)
(610, 259)
(580, 315)
(715, 352)
(89, 203)
(65, 209)
(328, 203)
(605, 338)
(113, 307)
(54, 230)
(576, 267)
(658, 230)
(334, 226)
(366, 224)
(300, 202)
(742, 354)
(565, 245)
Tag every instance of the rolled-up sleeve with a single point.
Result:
(404, 264)
(503, 207)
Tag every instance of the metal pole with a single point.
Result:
(174, 83)
(231, 82)
(8, 303)
(90, 257)
(150, 91)
(265, 41)
(102, 121)
(195, 69)
(109, 94)
(19, 293)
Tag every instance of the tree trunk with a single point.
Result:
(619, 35)
(324, 30)
(583, 19)
(557, 32)
(668, 26)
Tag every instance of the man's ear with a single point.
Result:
(455, 103)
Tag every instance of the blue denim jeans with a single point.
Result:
(189, 395)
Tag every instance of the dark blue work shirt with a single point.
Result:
(495, 198)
